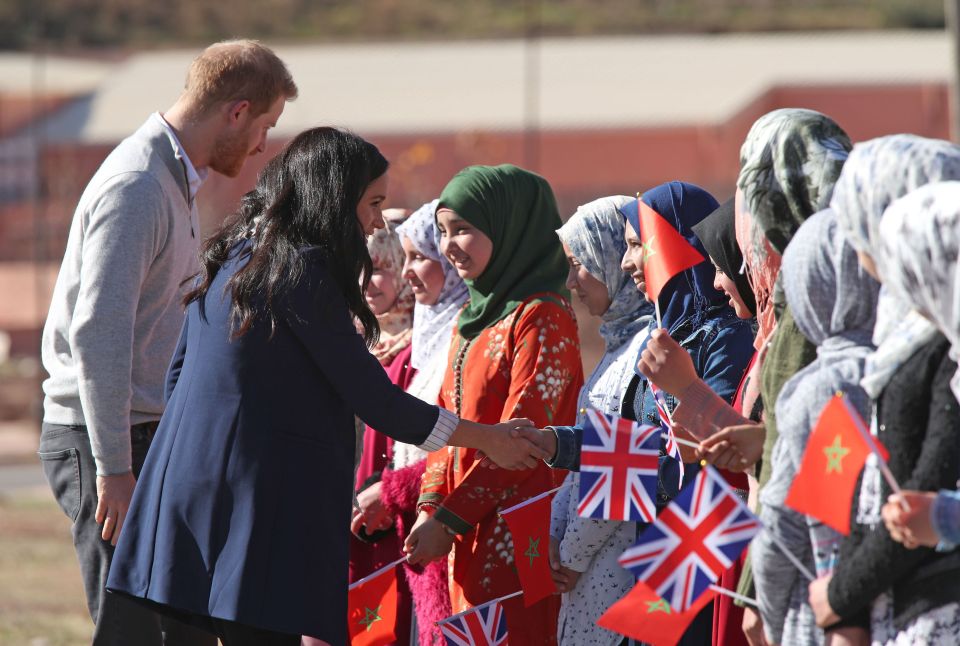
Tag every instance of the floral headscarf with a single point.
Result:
(878, 172)
(789, 163)
(920, 242)
(395, 324)
(595, 235)
(433, 324)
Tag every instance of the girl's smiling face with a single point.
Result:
(466, 247)
(591, 291)
(423, 274)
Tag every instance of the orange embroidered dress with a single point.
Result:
(521, 360)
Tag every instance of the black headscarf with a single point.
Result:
(718, 234)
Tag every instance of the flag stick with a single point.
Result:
(884, 469)
(656, 307)
(734, 595)
(377, 573)
(482, 605)
(531, 500)
(790, 557)
(692, 445)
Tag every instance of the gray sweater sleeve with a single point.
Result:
(124, 226)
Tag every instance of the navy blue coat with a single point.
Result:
(243, 507)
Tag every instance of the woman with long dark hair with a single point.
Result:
(239, 521)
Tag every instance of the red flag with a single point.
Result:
(665, 252)
(372, 610)
(836, 452)
(530, 527)
(645, 616)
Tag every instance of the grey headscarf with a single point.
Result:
(834, 303)
(595, 235)
(788, 165)
(878, 172)
(920, 241)
(433, 324)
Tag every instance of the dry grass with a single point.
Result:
(41, 594)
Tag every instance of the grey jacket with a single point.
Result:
(115, 315)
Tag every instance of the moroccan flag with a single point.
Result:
(529, 524)
(643, 615)
(372, 609)
(836, 452)
(665, 252)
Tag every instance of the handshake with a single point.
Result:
(515, 444)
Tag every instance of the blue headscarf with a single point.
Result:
(689, 296)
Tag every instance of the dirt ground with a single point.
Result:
(41, 595)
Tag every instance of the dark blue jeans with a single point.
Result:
(68, 465)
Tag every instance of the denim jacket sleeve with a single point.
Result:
(945, 515)
(721, 351)
(569, 442)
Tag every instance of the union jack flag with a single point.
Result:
(485, 625)
(694, 539)
(619, 462)
(666, 423)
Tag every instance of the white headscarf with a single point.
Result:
(433, 324)
(920, 241)
(595, 235)
(878, 172)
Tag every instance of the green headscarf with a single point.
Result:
(517, 211)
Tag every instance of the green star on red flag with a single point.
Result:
(838, 447)
(659, 605)
(644, 615)
(665, 252)
(533, 549)
(835, 453)
(371, 616)
(529, 523)
(372, 609)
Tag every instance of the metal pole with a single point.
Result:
(531, 86)
(952, 15)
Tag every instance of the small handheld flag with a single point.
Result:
(529, 524)
(694, 539)
(644, 615)
(836, 451)
(666, 422)
(619, 463)
(484, 625)
(372, 607)
(665, 252)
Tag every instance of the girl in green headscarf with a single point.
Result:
(515, 354)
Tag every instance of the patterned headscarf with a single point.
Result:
(920, 242)
(395, 324)
(878, 172)
(788, 165)
(433, 324)
(595, 235)
(833, 302)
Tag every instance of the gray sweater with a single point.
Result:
(115, 315)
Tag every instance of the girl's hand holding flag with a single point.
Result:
(735, 448)
(666, 363)
(428, 541)
(912, 526)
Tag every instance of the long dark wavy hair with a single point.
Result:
(305, 196)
